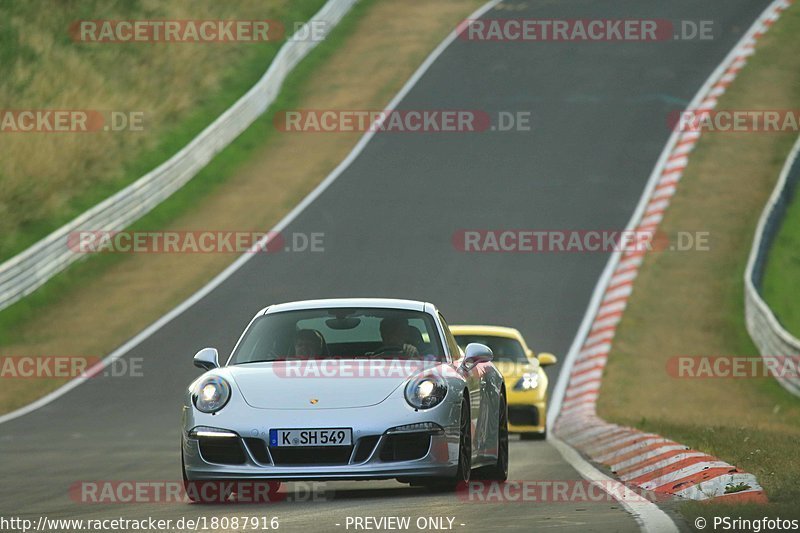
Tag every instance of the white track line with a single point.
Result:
(646, 513)
(650, 517)
(600, 288)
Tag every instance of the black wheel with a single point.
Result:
(499, 470)
(464, 457)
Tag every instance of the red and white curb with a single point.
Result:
(648, 461)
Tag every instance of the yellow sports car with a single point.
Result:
(526, 382)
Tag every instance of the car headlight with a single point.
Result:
(426, 392)
(211, 394)
(527, 382)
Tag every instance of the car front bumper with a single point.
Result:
(527, 412)
(259, 461)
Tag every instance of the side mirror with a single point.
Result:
(476, 354)
(207, 359)
(546, 359)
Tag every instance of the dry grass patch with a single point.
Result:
(691, 303)
(47, 178)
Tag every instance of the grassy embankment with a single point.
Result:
(691, 303)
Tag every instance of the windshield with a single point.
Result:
(340, 333)
(503, 348)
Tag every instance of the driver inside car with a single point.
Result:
(394, 335)
(309, 343)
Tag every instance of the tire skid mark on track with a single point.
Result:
(648, 461)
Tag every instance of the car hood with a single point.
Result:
(327, 384)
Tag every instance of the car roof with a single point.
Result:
(492, 331)
(382, 303)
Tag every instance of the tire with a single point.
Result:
(464, 469)
(499, 470)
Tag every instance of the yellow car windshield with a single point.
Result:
(505, 349)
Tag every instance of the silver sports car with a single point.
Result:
(347, 389)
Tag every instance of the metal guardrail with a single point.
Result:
(32, 268)
(767, 333)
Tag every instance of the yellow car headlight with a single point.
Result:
(527, 382)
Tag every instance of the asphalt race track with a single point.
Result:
(599, 124)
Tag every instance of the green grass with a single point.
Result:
(781, 284)
(202, 185)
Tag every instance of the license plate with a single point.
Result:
(310, 437)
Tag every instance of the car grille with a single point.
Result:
(311, 455)
(400, 447)
(364, 448)
(258, 449)
(523, 415)
(226, 451)
(405, 447)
